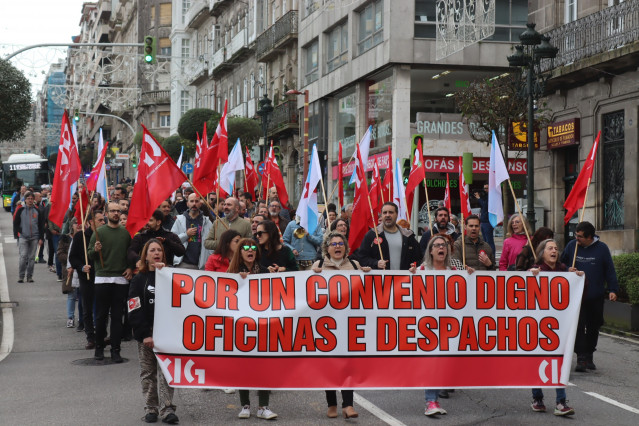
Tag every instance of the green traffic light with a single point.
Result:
(149, 49)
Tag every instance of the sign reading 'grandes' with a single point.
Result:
(347, 329)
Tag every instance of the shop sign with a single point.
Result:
(518, 135)
(563, 133)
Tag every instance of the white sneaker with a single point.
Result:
(265, 413)
(70, 323)
(229, 391)
(245, 413)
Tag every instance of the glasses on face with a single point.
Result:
(439, 245)
(337, 244)
(249, 248)
(258, 234)
(115, 211)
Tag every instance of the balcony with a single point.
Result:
(105, 10)
(196, 71)
(284, 117)
(272, 41)
(239, 44)
(219, 65)
(197, 14)
(217, 7)
(607, 39)
(239, 111)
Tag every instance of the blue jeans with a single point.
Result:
(71, 299)
(58, 265)
(432, 394)
(487, 232)
(561, 394)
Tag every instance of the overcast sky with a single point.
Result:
(27, 22)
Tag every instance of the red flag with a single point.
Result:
(274, 177)
(387, 184)
(251, 178)
(213, 155)
(361, 209)
(577, 196)
(447, 194)
(463, 192)
(199, 146)
(92, 180)
(376, 186)
(219, 146)
(67, 172)
(340, 177)
(158, 177)
(417, 175)
(82, 205)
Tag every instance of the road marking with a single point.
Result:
(376, 411)
(613, 402)
(9, 240)
(6, 345)
(627, 339)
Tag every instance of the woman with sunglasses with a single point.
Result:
(246, 260)
(141, 309)
(274, 255)
(226, 248)
(334, 258)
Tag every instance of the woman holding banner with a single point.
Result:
(245, 261)
(141, 310)
(226, 248)
(274, 255)
(517, 239)
(548, 261)
(334, 258)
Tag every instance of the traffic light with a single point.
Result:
(406, 170)
(413, 146)
(76, 115)
(134, 161)
(150, 49)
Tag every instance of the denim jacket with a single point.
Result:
(307, 245)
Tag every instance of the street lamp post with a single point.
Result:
(305, 156)
(528, 56)
(265, 113)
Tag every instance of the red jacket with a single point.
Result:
(216, 263)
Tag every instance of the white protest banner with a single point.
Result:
(349, 330)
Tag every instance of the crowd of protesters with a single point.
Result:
(106, 273)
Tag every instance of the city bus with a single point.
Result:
(23, 169)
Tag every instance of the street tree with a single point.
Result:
(192, 123)
(173, 145)
(137, 139)
(15, 102)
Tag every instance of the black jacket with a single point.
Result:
(141, 305)
(368, 253)
(76, 256)
(17, 222)
(172, 245)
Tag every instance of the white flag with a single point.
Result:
(307, 208)
(234, 163)
(496, 175)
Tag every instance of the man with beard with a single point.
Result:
(191, 227)
(479, 255)
(169, 218)
(87, 284)
(172, 244)
(108, 248)
(399, 247)
(231, 220)
(255, 220)
(442, 225)
(275, 214)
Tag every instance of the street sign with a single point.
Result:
(187, 168)
(260, 168)
(108, 167)
(121, 156)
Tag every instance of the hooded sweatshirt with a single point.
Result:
(512, 247)
(596, 261)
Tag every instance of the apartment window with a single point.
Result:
(259, 16)
(186, 50)
(186, 4)
(571, 11)
(310, 6)
(337, 49)
(165, 14)
(165, 119)
(371, 26)
(165, 46)
(231, 103)
(238, 96)
(252, 86)
(613, 135)
(184, 101)
(311, 62)
(261, 81)
(245, 91)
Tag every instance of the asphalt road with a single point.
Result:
(43, 380)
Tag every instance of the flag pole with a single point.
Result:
(217, 197)
(581, 219)
(522, 222)
(204, 199)
(328, 220)
(335, 187)
(463, 244)
(430, 221)
(84, 236)
(379, 244)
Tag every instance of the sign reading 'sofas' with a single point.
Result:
(347, 329)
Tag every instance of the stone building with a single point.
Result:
(594, 88)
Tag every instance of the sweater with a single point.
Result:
(472, 253)
(512, 247)
(239, 224)
(115, 245)
(596, 262)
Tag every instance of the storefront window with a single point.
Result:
(344, 119)
(379, 111)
